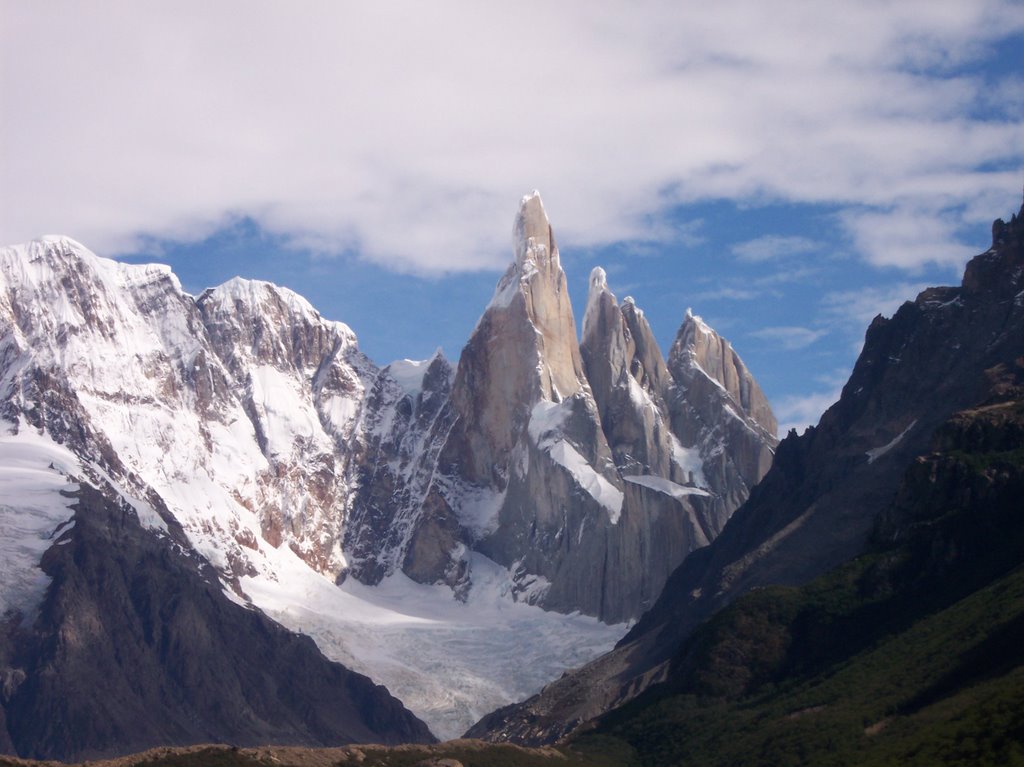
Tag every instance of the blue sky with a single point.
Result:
(786, 171)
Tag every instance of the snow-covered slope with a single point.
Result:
(33, 513)
(227, 420)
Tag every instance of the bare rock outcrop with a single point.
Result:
(716, 404)
(562, 462)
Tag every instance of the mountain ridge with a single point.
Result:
(815, 507)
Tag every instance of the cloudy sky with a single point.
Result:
(787, 169)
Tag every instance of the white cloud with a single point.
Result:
(788, 337)
(854, 309)
(407, 132)
(908, 238)
(772, 246)
(800, 411)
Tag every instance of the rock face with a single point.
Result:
(921, 632)
(525, 444)
(404, 420)
(211, 427)
(562, 462)
(300, 380)
(717, 405)
(820, 501)
(589, 472)
(234, 410)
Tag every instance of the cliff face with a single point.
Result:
(907, 653)
(717, 404)
(818, 504)
(190, 439)
(562, 462)
(236, 409)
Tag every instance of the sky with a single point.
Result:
(788, 170)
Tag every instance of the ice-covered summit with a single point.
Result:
(532, 237)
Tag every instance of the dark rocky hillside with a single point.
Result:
(137, 645)
(909, 654)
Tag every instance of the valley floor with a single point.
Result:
(457, 753)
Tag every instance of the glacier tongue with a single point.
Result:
(449, 662)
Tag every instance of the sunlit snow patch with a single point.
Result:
(688, 459)
(408, 374)
(476, 507)
(875, 453)
(33, 512)
(665, 486)
(546, 419)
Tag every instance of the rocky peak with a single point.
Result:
(274, 342)
(954, 352)
(523, 350)
(1004, 233)
(271, 325)
(595, 294)
(630, 402)
(59, 292)
(649, 366)
(606, 349)
(245, 396)
(545, 296)
(699, 352)
(999, 270)
(404, 419)
(532, 236)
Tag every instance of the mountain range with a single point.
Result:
(182, 474)
(177, 471)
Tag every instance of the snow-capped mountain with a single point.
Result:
(227, 411)
(352, 502)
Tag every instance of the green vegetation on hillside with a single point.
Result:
(949, 689)
(913, 654)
